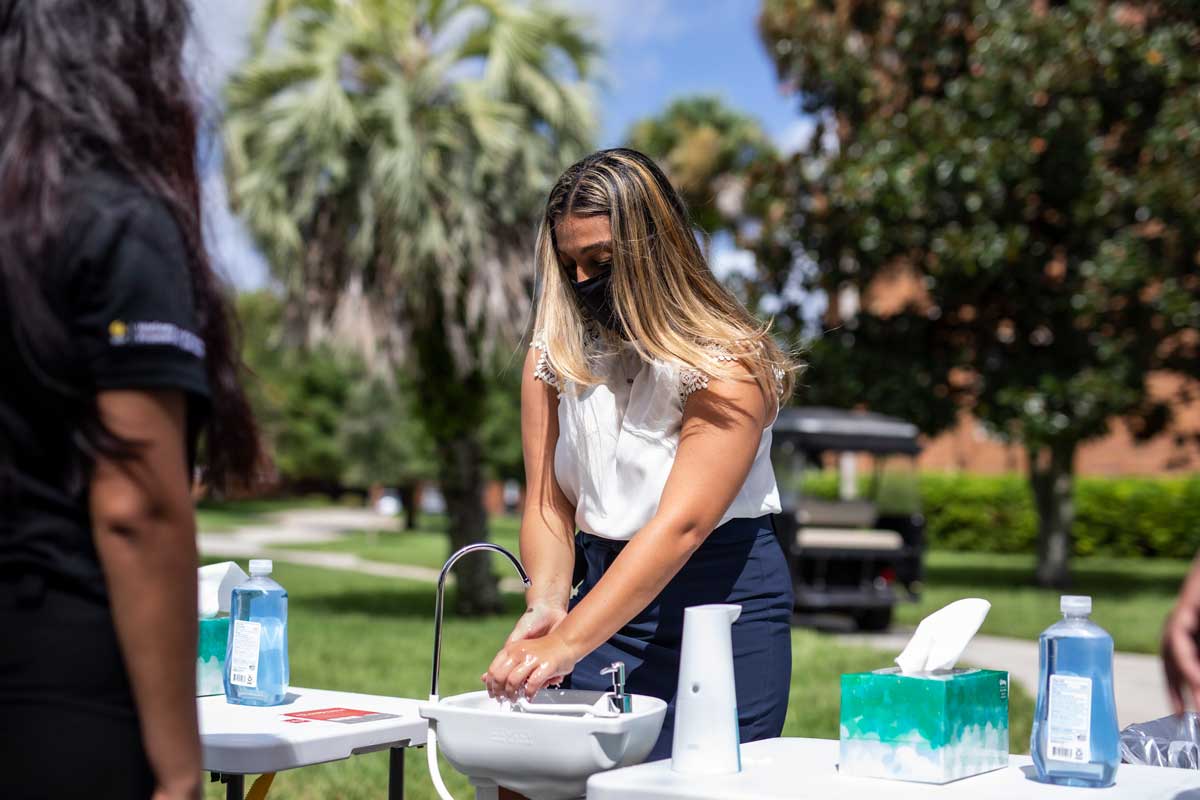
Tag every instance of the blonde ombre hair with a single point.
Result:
(671, 306)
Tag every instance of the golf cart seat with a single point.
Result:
(836, 514)
(854, 556)
(840, 539)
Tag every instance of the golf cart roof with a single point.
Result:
(815, 429)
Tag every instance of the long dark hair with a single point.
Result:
(84, 84)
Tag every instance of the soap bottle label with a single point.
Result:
(1069, 719)
(243, 660)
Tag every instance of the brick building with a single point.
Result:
(969, 447)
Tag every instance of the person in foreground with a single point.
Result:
(1181, 644)
(646, 411)
(116, 353)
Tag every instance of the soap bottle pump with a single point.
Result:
(706, 740)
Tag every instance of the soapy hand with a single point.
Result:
(527, 665)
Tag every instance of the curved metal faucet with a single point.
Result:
(441, 591)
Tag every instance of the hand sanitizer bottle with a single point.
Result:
(1075, 738)
(256, 664)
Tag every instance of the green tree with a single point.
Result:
(330, 424)
(391, 157)
(705, 148)
(501, 431)
(384, 442)
(298, 397)
(1033, 167)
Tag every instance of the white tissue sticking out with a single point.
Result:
(942, 636)
(216, 582)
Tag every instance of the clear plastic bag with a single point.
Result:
(1166, 742)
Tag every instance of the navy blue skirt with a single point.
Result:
(740, 562)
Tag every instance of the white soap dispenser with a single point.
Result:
(706, 738)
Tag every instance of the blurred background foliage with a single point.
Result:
(1029, 171)
(389, 157)
(995, 211)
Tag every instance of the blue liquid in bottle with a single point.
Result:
(1076, 741)
(256, 663)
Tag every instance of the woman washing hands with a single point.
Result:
(646, 407)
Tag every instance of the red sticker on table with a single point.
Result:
(349, 716)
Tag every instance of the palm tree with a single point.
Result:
(391, 157)
(705, 147)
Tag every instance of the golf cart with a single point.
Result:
(849, 553)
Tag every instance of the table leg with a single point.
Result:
(396, 773)
(235, 785)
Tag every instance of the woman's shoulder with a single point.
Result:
(103, 204)
(713, 364)
(599, 353)
(542, 370)
(692, 379)
(117, 232)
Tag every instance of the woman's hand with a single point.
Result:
(527, 665)
(536, 622)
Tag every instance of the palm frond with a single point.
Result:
(399, 150)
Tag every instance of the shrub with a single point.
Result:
(1152, 517)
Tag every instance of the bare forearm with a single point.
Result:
(643, 569)
(548, 553)
(150, 568)
(1189, 594)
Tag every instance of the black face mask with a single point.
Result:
(595, 295)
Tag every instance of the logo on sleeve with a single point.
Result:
(154, 333)
(118, 332)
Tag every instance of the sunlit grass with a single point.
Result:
(1131, 596)
(226, 515)
(427, 546)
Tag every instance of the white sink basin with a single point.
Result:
(543, 756)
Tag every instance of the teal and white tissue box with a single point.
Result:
(215, 583)
(210, 656)
(933, 728)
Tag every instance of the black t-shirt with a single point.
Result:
(118, 280)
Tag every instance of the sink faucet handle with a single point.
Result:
(620, 702)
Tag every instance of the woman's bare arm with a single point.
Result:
(145, 534)
(1181, 644)
(548, 521)
(722, 427)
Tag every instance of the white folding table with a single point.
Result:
(312, 726)
(807, 768)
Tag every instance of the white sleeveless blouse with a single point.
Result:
(617, 443)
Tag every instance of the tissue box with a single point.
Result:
(931, 728)
(210, 656)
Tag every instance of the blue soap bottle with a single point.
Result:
(1076, 741)
(256, 662)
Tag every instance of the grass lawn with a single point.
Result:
(365, 634)
(1131, 596)
(427, 546)
(224, 516)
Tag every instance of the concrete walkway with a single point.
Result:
(1139, 684)
(319, 526)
